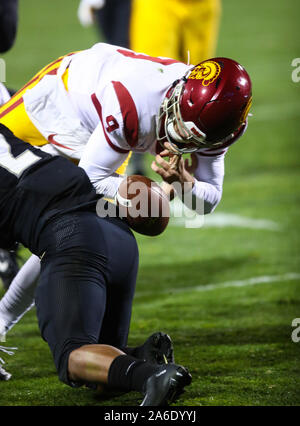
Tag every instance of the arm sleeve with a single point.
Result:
(100, 161)
(207, 190)
(209, 173)
(8, 23)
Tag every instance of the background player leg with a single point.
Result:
(19, 298)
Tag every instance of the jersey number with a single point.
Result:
(15, 165)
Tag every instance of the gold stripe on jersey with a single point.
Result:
(122, 169)
(64, 78)
(13, 114)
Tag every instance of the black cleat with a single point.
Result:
(164, 386)
(4, 375)
(157, 349)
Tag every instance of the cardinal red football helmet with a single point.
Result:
(206, 106)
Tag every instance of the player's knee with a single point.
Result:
(75, 363)
(67, 360)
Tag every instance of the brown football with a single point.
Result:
(144, 205)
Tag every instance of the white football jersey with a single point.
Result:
(109, 108)
(108, 86)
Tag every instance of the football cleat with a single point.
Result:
(165, 385)
(8, 267)
(4, 375)
(157, 349)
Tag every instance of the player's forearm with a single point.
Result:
(205, 195)
(208, 182)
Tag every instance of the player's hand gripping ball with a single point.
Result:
(144, 205)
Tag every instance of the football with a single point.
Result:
(144, 205)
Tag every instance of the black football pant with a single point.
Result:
(86, 285)
(114, 22)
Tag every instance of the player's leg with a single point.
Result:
(71, 302)
(71, 295)
(201, 29)
(161, 19)
(113, 21)
(142, 362)
(106, 365)
(19, 298)
(122, 272)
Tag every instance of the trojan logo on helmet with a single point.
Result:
(207, 72)
(207, 107)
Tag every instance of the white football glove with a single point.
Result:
(85, 11)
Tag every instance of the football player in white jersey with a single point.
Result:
(98, 105)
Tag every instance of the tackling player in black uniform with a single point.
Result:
(8, 31)
(88, 273)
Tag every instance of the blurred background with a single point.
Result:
(198, 284)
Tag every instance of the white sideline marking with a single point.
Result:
(217, 220)
(291, 276)
(228, 219)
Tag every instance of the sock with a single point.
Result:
(19, 298)
(128, 351)
(129, 373)
(137, 351)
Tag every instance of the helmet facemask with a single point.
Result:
(183, 136)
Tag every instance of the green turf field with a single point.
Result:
(228, 292)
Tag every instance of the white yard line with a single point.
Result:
(265, 279)
(183, 217)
